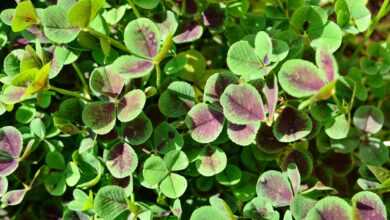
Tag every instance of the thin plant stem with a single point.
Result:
(381, 13)
(158, 76)
(134, 8)
(67, 92)
(112, 41)
(82, 79)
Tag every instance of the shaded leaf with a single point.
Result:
(139, 130)
(99, 116)
(292, 125)
(177, 99)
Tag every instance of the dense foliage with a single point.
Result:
(195, 109)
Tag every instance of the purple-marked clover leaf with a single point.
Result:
(211, 161)
(367, 205)
(294, 177)
(301, 78)
(12, 94)
(142, 37)
(243, 134)
(189, 33)
(130, 67)
(270, 91)
(131, 105)
(204, 122)
(139, 130)
(61, 56)
(327, 63)
(169, 25)
(105, 82)
(242, 104)
(213, 16)
(177, 100)
(11, 144)
(275, 186)
(167, 138)
(99, 116)
(266, 141)
(301, 158)
(13, 197)
(121, 160)
(369, 119)
(330, 208)
(292, 125)
(216, 84)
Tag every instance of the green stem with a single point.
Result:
(168, 42)
(112, 41)
(158, 76)
(82, 79)
(381, 13)
(135, 10)
(26, 151)
(67, 92)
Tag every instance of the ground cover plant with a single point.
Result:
(195, 109)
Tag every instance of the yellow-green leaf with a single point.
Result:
(84, 11)
(25, 16)
(40, 80)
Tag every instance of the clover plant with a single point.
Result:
(195, 109)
